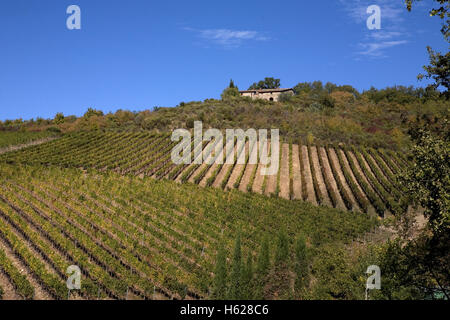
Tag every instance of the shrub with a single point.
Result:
(54, 129)
(229, 93)
(285, 97)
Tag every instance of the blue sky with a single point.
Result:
(138, 54)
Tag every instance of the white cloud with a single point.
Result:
(375, 43)
(384, 35)
(376, 49)
(391, 11)
(229, 38)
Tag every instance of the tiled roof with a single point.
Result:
(267, 90)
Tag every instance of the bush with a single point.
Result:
(54, 129)
(229, 93)
(285, 97)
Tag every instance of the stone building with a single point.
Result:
(266, 94)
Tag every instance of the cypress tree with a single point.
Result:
(262, 268)
(236, 271)
(220, 275)
(263, 258)
(282, 248)
(247, 279)
(301, 264)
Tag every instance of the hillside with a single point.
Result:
(348, 178)
(139, 238)
(317, 114)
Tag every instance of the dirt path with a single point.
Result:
(199, 156)
(271, 183)
(284, 174)
(341, 177)
(329, 175)
(358, 168)
(319, 177)
(39, 292)
(238, 167)
(369, 169)
(9, 293)
(374, 178)
(259, 178)
(208, 174)
(360, 171)
(296, 174)
(26, 145)
(248, 169)
(223, 171)
(308, 176)
(370, 208)
(210, 157)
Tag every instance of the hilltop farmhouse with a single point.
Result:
(266, 94)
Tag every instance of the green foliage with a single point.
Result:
(59, 118)
(285, 97)
(331, 113)
(230, 93)
(267, 83)
(177, 225)
(338, 278)
(282, 251)
(439, 67)
(427, 181)
(438, 70)
(263, 258)
(19, 281)
(235, 289)
(247, 279)
(8, 139)
(301, 265)
(92, 112)
(220, 274)
(54, 130)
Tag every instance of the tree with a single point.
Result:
(92, 112)
(427, 181)
(230, 91)
(247, 279)
(301, 264)
(220, 274)
(59, 118)
(267, 83)
(263, 258)
(236, 270)
(439, 68)
(424, 258)
(282, 248)
(262, 268)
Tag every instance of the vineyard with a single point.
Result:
(10, 141)
(137, 238)
(346, 178)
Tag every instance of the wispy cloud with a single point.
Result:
(377, 49)
(391, 10)
(375, 43)
(228, 38)
(385, 35)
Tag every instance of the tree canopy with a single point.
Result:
(267, 83)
